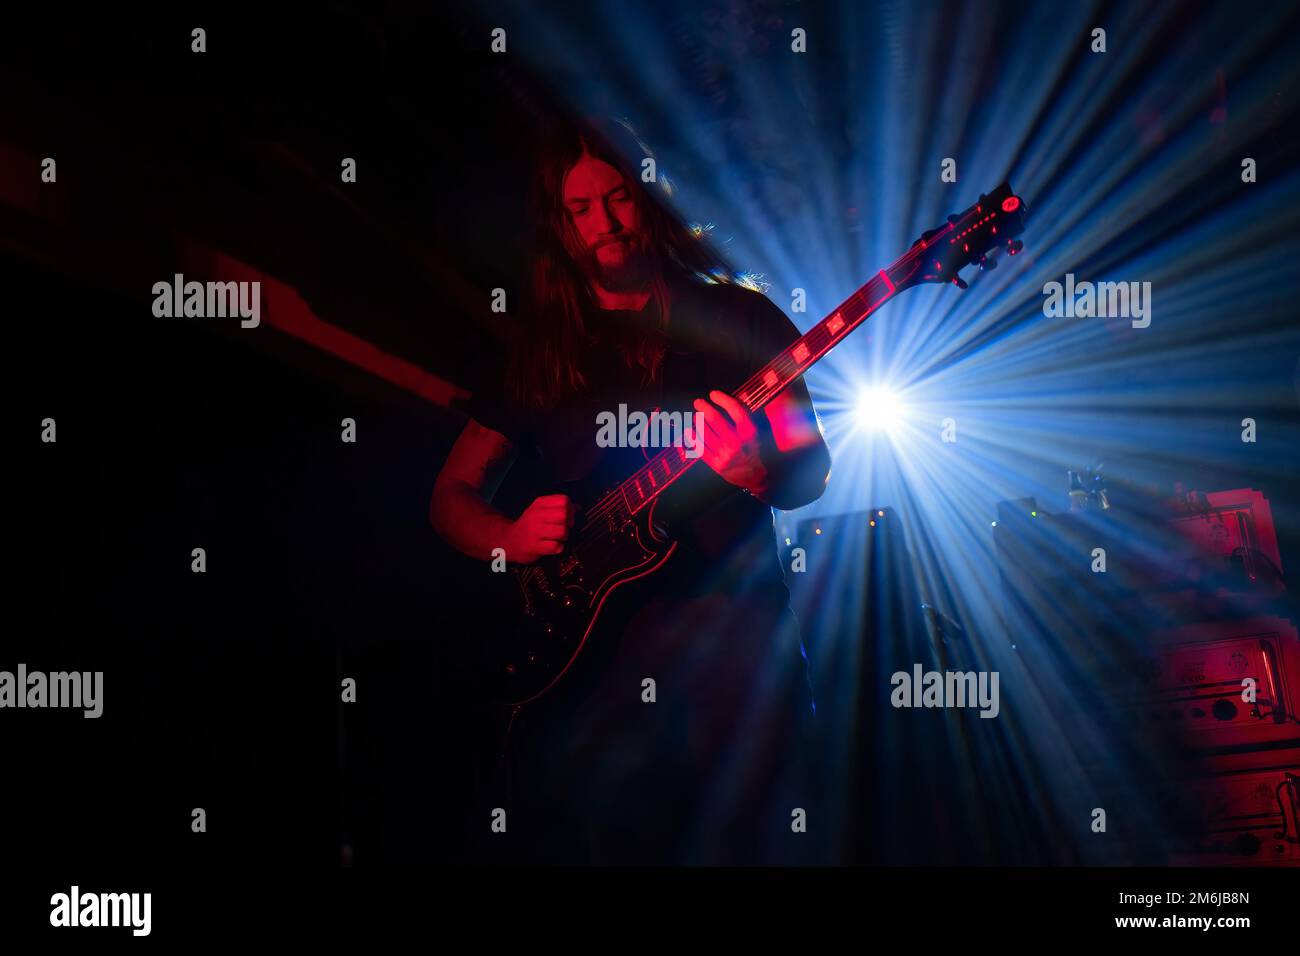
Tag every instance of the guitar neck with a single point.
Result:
(773, 378)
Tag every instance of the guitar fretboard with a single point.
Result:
(769, 381)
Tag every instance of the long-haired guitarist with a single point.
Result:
(679, 734)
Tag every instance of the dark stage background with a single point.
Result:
(222, 689)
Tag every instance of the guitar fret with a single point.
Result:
(817, 341)
(766, 382)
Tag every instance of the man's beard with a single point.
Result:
(634, 272)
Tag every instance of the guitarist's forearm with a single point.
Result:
(794, 478)
(465, 521)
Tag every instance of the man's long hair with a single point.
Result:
(546, 365)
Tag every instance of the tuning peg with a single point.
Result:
(1014, 246)
(959, 282)
(986, 264)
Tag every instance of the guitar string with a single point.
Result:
(754, 386)
(758, 391)
(860, 293)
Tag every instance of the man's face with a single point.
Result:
(603, 213)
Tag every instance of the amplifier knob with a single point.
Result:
(1224, 709)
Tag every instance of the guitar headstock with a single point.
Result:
(968, 238)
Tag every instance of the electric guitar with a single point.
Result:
(618, 539)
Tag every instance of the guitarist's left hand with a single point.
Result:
(731, 443)
(779, 458)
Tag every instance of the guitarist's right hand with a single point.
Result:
(541, 530)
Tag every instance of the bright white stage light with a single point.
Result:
(879, 409)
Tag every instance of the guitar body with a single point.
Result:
(561, 598)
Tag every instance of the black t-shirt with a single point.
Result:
(712, 627)
(717, 336)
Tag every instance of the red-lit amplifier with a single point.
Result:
(1232, 535)
(1245, 819)
(1206, 675)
